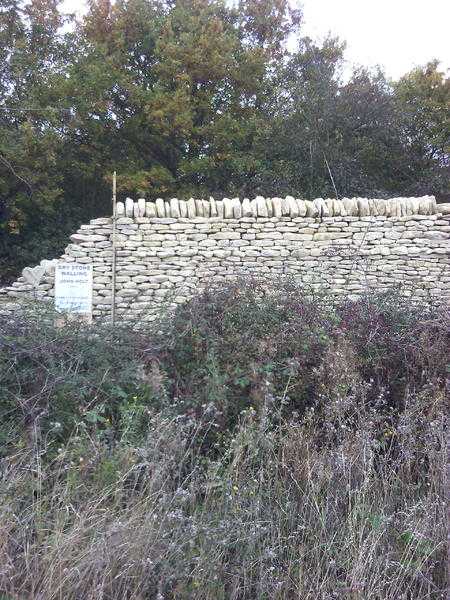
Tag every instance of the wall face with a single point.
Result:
(165, 259)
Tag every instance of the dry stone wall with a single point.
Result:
(166, 250)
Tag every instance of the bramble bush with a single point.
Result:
(254, 443)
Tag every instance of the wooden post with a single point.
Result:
(113, 279)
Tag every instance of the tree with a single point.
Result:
(423, 99)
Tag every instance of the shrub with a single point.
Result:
(252, 444)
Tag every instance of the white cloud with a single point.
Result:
(396, 34)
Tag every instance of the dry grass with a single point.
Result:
(341, 497)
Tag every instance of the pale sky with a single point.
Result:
(395, 34)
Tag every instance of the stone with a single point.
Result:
(329, 203)
(285, 207)
(167, 209)
(183, 209)
(160, 209)
(311, 209)
(301, 207)
(120, 209)
(199, 208)
(269, 207)
(246, 208)
(363, 207)
(213, 206)
(317, 202)
(220, 209)
(277, 206)
(206, 208)
(261, 207)
(49, 266)
(228, 208)
(324, 208)
(293, 206)
(141, 207)
(237, 208)
(351, 206)
(129, 207)
(191, 208)
(175, 208)
(34, 275)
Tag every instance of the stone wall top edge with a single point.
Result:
(266, 208)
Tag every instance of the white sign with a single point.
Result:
(73, 288)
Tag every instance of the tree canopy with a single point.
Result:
(192, 98)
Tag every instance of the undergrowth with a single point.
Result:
(251, 445)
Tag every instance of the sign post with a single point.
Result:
(113, 265)
(73, 289)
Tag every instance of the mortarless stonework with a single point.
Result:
(166, 250)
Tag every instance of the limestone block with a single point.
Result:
(78, 237)
(277, 207)
(246, 208)
(206, 208)
(129, 207)
(213, 207)
(403, 207)
(141, 207)
(372, 208)
(269, 207)
(174, 208)
(225, 235)
(120, 209)
(150, 210)
(183, 209)
(351, 206)
(301, 207)
(228, 208)
(363, 207)
(191, 208)
(380, 207)
(293, 207)
(317, 207)
(254, 207)
(285, 207)
(303, 237)
(433, 205)
(311, 209)
(325, 210)
(160, 210)
(220, 209)
(199, 208)
(409, 206)
(261, 207)
(237, 208)
(329, 202)
(336, 208)
(127, 292)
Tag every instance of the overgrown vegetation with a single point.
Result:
(250, 445)
(192, 98)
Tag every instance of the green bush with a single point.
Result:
(253, 444)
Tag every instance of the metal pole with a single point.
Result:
(113, 279)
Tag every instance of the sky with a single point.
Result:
(395, 34)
